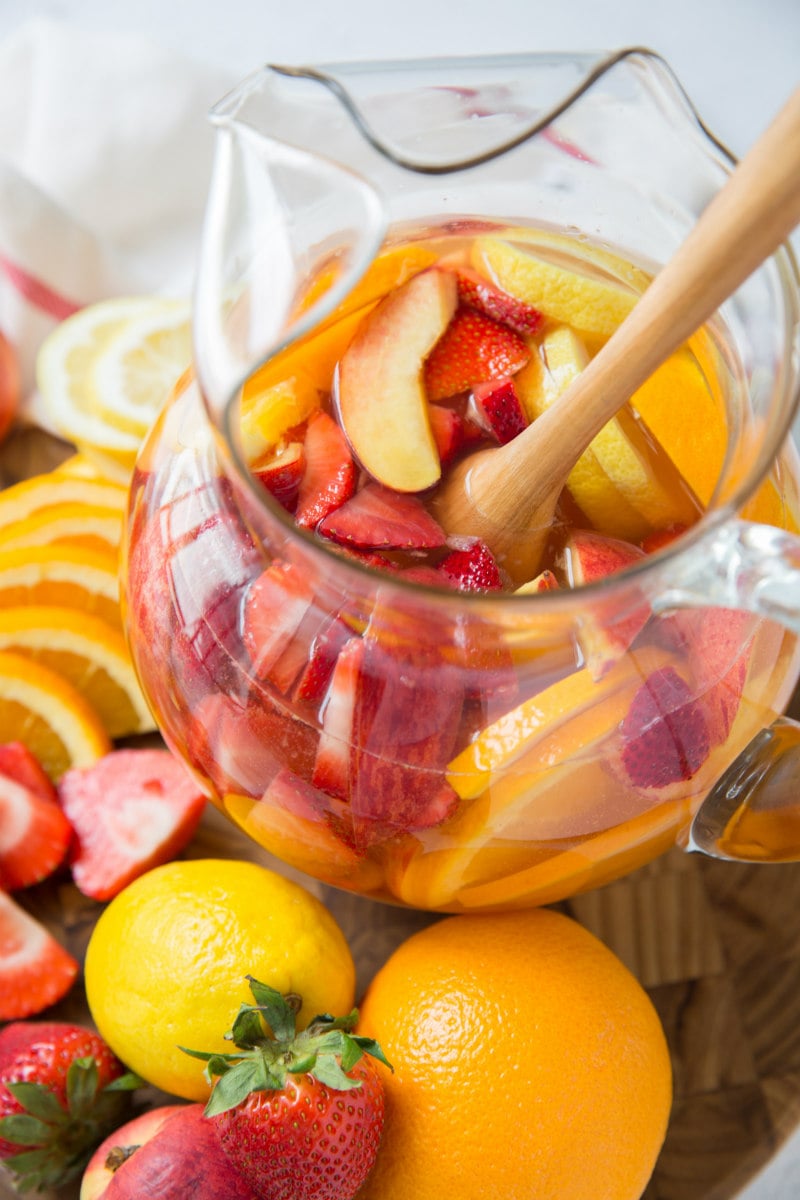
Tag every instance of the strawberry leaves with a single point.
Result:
(270, 1050)
(54, 1140)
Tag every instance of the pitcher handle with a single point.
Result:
(752, 814)
(742, 565)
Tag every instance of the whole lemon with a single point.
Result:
(167, 962)
(528, 1062)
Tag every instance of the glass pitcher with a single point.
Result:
(401, 718)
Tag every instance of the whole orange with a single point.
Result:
(529, 1064)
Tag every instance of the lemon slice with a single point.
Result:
(44, 711)
(591, 302)
(90, 654)
(64, 575)
(104, 373)
(95, 526)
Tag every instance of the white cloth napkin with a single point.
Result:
(105, 156)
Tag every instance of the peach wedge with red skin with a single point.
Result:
(380, 393)
(609, 626)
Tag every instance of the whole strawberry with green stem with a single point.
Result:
(61, 1092)
(299, 1115)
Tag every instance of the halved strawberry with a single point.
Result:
(376, 518)
(34, 834)
(448, 431)
(330, 474)
(471, 566)
(282, 471)
(473, 349)
(501, 408)
(130, 811)
(35, 971)
(477, 292)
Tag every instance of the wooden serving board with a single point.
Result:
(716, 945)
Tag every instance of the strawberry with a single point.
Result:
(130, 811)
(34, 833)
(35, 971)
(471, 566)
(501, 408)
(299, 1115)
(61, 1092)
(281, 473)
(277, 603)
(473, 349)
(332, 763)
(477, 292)
(322, 656)
(330, 474)
(377, 518)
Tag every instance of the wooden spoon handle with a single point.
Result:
(747, 220)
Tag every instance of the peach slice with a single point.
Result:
(608, 626)
(380, 395)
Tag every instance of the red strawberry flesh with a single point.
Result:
(35, 970)
(34, 833)
(376, 518)
(477, 292)
(501, 408)
(471, 566)
(131, 810)
(330, 474)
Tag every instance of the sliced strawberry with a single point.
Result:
(664, 736)
(277, 602)
(323, 653)
(473, 349)
(376, 518)
(405, 723)
(477, 292)
(34, 835)
(131, 810)
(471, 566)
(35, 971)
(18, 763)
(332, 764)
(330, 474)
(448, 432)
(501, 408)
(281, 473)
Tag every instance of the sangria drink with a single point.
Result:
(382, 702)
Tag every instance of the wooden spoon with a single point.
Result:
(508, 495)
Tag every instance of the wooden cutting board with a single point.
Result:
(716, 945)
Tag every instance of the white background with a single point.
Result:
(738, 60)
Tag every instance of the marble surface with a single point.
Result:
(738, 62)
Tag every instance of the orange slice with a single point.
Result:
(64, 575)
(50, 490)
(41, 709)
(286, 390)
(91, 655)
(96, 527)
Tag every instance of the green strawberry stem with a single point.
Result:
(270, 1050)
(61, 1140)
